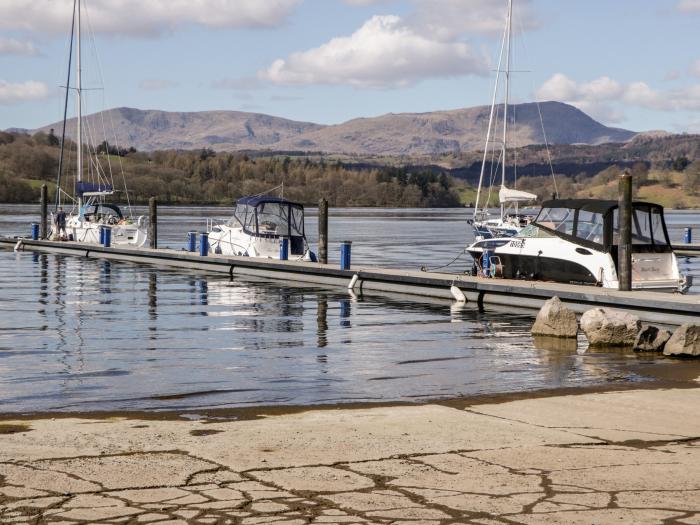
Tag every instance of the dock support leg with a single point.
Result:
(323, 231)
(44, 224)
(153, 222)
(624, 272)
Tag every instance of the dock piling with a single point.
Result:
(688, 236)
(153, 222)
(44, 231)
(625, 226)
(323, 231)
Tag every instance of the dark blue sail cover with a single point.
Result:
(81, 188)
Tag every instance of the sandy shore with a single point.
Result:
(611, 457)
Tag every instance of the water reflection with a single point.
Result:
(321, 323)
(117, 336)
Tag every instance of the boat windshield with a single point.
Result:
(271, 218)
(557, 219)
(532, 231)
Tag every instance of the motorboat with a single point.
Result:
(258, 226)
(576, 241)
(94, 179)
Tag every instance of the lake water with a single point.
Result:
(82, 335)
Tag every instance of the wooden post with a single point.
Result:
(44, 225)
(153, 222)
(624, 253)
(323, 231)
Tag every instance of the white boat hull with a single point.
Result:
(123, 234)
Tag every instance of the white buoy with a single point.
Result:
(353, 282)
(458, 294)
(18, 246)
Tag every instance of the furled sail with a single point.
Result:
(506, 195)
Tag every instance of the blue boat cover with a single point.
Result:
(82, 188)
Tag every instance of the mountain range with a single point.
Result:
(409, 134)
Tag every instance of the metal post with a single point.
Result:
(153, 222)
(107, 237)
(624, 254)
(203, 244)
(323, 231)
(345, 253)
(688, 236)
(44, 233)
(191, 241)
(284, 249)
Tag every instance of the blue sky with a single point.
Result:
(628, 63)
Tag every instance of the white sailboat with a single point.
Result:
(92, 181)
(510, 220)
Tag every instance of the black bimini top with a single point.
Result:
(595, 205)
(255, 200)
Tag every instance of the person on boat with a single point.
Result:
(61, 224)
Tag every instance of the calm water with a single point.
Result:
(90, 335)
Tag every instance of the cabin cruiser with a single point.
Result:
(258, 225)
(576, 241)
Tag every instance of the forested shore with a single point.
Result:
(208, 177)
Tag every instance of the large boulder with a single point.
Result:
(651, 339)
(555, 320)
(685, 341)
(608, 327)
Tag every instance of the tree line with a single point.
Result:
(208, 177)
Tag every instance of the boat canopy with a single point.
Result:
(506, 195)
(265, 216)
(91, 189)
(596, 223)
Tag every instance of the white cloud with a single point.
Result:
(157, 84)
(21, 92)
(450, 19)
(689, 6)
(604, 98)
(12, 46)
(384, 52)
(141, 17)
(695, 68)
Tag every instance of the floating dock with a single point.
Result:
(649, 306)
(687, 250)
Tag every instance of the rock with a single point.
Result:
(555, 319)
(651, 339)
(685, 341)
(608, 327)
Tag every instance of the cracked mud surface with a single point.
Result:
(631, 457)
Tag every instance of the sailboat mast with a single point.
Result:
(509, 31)
(79, 104)
(491, 129)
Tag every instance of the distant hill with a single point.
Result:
(411, 134)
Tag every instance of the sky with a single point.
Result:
(633, 64)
